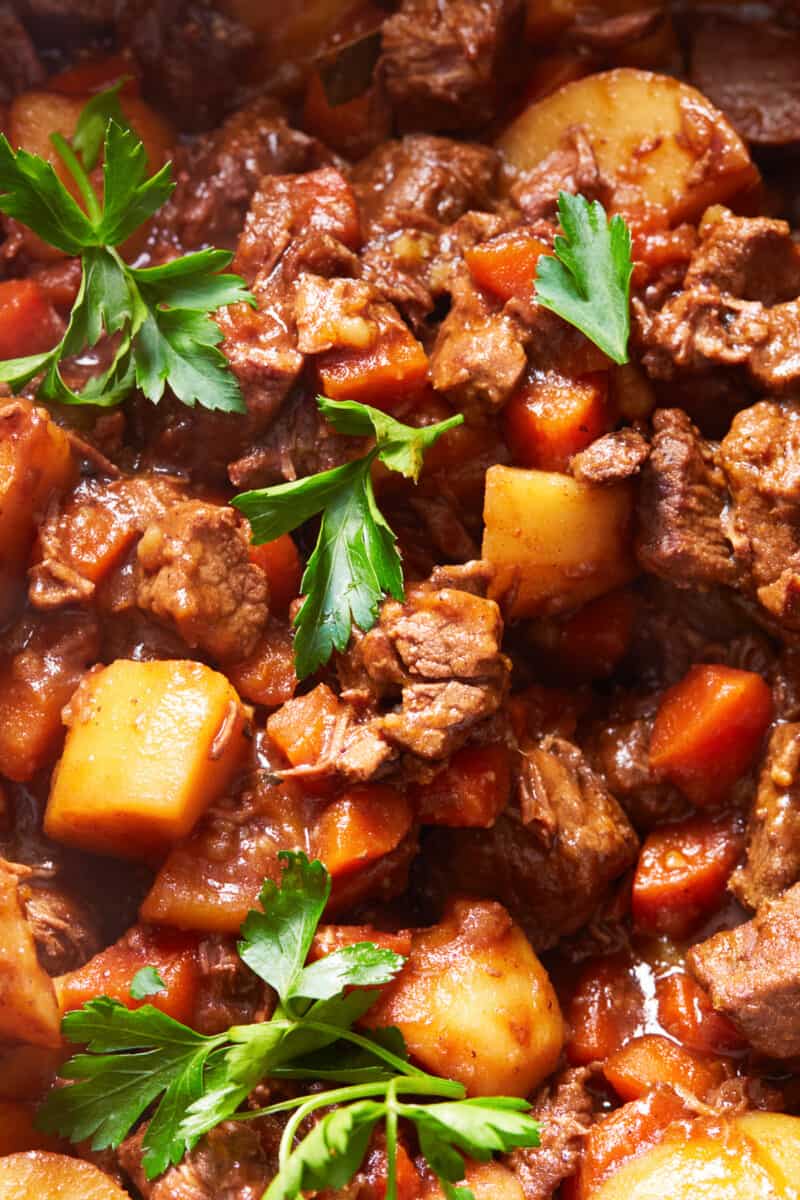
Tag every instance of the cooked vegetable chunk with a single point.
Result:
(39, 1174)
(149, 746)
(475, 1004)
(554, 542)
(28, 1008)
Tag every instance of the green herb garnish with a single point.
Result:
(355, 562)
(588, 282)
(137, 1059)
(159, 315)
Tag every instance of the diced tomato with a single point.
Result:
(708, 730)
(472, 790)
(28, 324)
(605, 1009)
(333, 937)
(362, 825)
(552, 417)
(267, 676)
(649, 1061)
(682, 873)
(590, 643)
(624, 1134)
(301, 727)
(111, 972)
(686, 1012)
(280, 561)
(383, 374)
(506, 265)
(96, 75)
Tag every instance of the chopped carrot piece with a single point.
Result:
(333, 937)
(280, 561)
(96, 75)
(590, 643)
(28, 323)
(652, 1060)
(708, 730)
(383, 374)
(361, 826)
(472, 790)
(267, 675)
(606, 1008)
(506, 265)
(552, 417)
(686, 1012)
(301, 727)
(18, 1131)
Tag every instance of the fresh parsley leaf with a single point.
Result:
(162, 315)
(114, 1087)
(361, 965)
(93, 121)
(588, 281)
(355, 563)
(331, 1154)
(147, 982)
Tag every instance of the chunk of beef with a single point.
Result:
(195, 574)
(606, 34)
(750, 72)
(20, 66)
(479, 357)
(773, 851)
(442, 64)
(85, 535)
(422, 181)
(564, 1107)
(760, 456)
(737, 307)
(570, 168)
(64, 929)
(230, 1163)
(228, 992)
(28, 1006)
(611, 458)
(218, 174)
(551, 860)
(190, 54)
(681, 501)
(752, 974)
(54, 20)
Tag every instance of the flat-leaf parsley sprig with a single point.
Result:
(142, 1061)
(588, 282)
(355, 562)
(159, 316)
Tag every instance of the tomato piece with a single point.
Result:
(267, 676)
(552, 417)
(300, 728)
(506, 265)
(362, 825)
(624, 1134)
(281, 563)
(383, 374)
(472, 790)
(682, 873)
(111, 972)
(605, 1009)
(649, 1061)
(686, 1012)
(708, 730)
(28, 323)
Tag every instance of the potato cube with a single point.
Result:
(28, 1007)
(150, 744)
(555, 542)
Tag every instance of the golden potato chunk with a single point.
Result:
(662, 144)
(40, 1175)
(150, 744)
(555, 542)
(475, 1004)
(28, 1008)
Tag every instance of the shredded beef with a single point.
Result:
(550, 862)
(750, 72)
(611, 458)
(570, 168)
(681, 500)
(737, 307)
(442, 64)
(230, 1163)
(191, 56)
(753, 975)
(773, 851)
(228, 992)
(218, 174)
(564, 1109)
(195, 574)
(64, 930)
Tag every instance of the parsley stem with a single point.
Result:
(390, 1133)
(378, 1051)
(75, 168)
